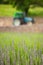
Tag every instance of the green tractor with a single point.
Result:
(20, 19)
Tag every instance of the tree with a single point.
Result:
(23, 5)
(1, 1)
(4, 1)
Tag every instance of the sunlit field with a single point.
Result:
(21, 48)
(8, 10)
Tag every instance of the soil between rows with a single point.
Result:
(7, 25)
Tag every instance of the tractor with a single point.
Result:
(20, 18)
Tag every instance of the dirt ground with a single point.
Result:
(6, 25)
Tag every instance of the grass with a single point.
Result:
(7, 10)
(21, 48)
(37, 11)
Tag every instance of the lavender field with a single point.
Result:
(21, 48)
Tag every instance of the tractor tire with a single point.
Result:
(29, 23)
(16, 22)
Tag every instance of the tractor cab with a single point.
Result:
(18, 15)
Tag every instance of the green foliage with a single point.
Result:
(24, 5)
(5, 1)
(8, 10)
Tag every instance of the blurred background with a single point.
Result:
(30, 7)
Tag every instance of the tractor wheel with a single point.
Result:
(29, 23)
(16, 22)
(33, 21)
